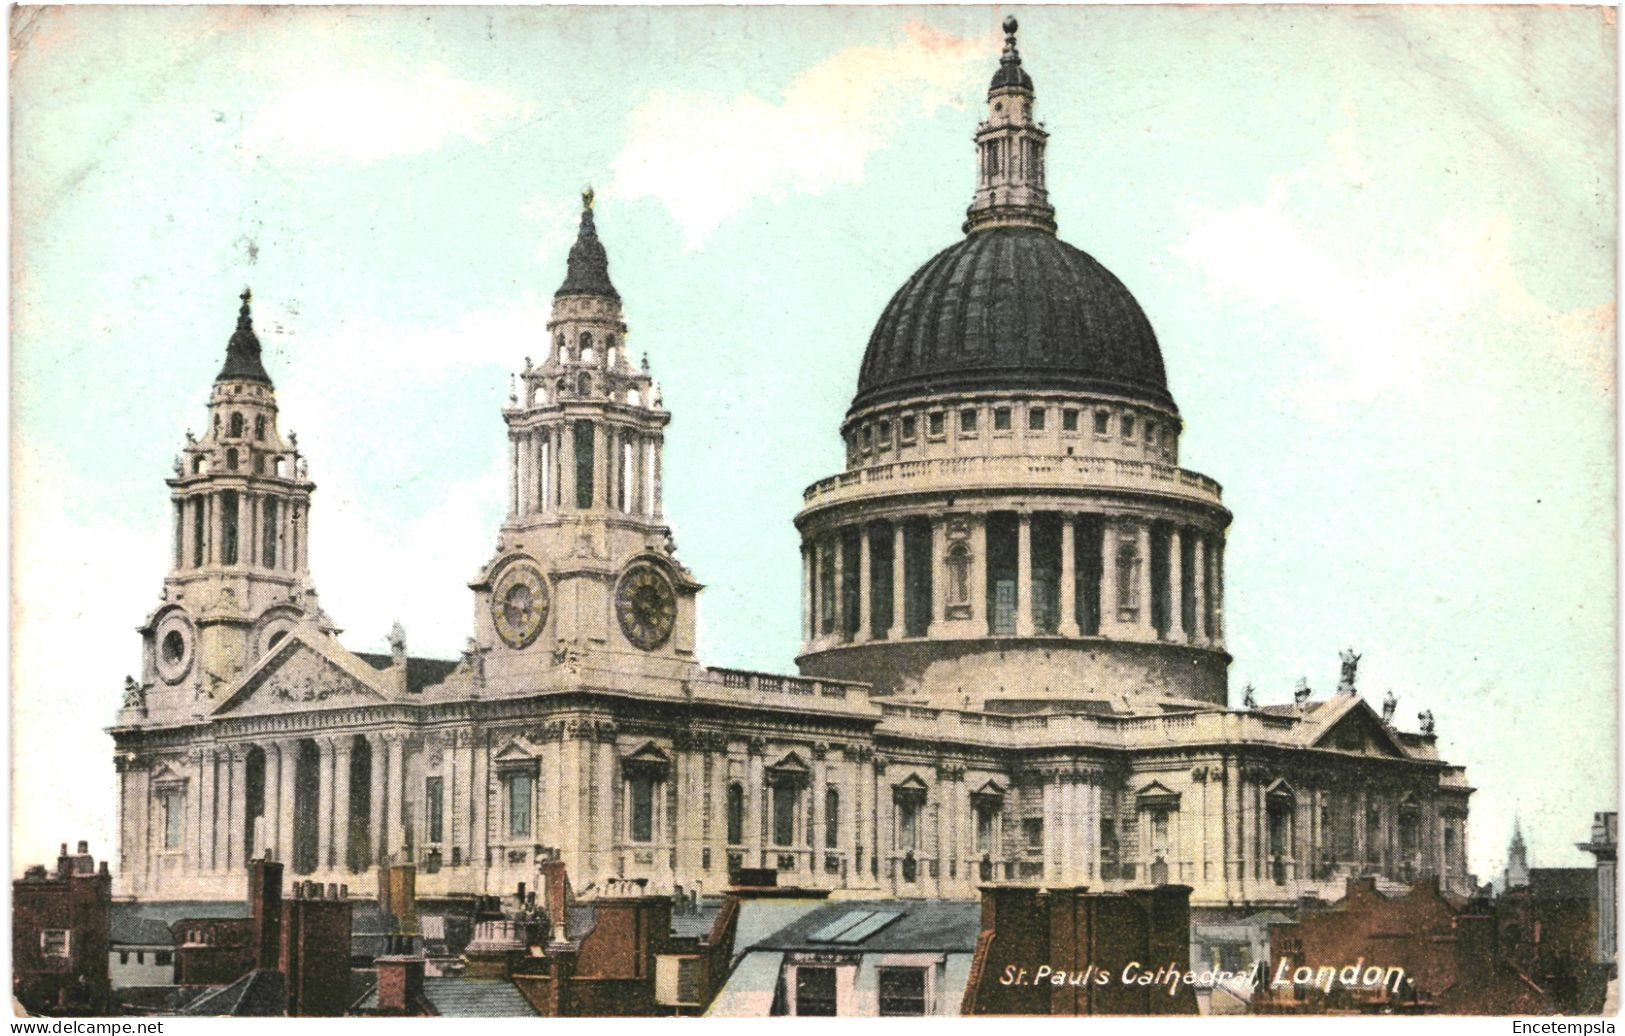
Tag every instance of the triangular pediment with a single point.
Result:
(991, 789)
(166, 774)
(912, 782)
(790, 763)
(1360, 732)
(517, 750)
(303, 675)
(648, 752)
(1156, 794)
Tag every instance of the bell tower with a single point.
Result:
(585, 561)
(238, 577)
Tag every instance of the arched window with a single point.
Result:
(231, 460)
(585, 342)
(959, 574)
(736, 814)
(200, 466)
(276, 638)
(228, 525)
(259, 427)
(236, 427)
(609, 342)
(558, 346)
(270, 526)
(832, 818)
(1128, 577)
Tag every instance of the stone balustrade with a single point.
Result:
(1023, 473)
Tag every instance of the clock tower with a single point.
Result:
(585, 566)
(239, 577)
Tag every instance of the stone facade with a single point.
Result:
(1013, 670)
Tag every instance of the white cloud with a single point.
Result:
(706, 157)
(363, 116)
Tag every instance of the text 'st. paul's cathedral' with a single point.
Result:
(1013, 666)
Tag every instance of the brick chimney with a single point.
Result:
(556, 887)
(265, 910)
(400, 985)
(315, 961)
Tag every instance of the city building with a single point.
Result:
(1516, 874)
(1014, 665)
(59, 936)
(1604, 845)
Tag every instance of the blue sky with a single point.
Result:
(1377, 245)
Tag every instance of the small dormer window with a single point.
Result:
(1150, 433)
(967, 421)
(934, 424)
(885, 432)
(1102, 422)
(1035, 419)
(1069, 420)
(910, 426)
(868, 436)
(1001, 419)
(1128, 426)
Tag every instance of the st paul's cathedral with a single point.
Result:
(1013, 665)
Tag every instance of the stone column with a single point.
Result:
(272, 846)
(480, 794)
(1216, 590)
(978, 573)
(288, 763)
(602, 468)
(215, 510)
(657, 493)
(865, 576)
(394, 792)
(513, 474)
(754, 792)
(1176, 599)
(208, 822)
(815, 815)
(1067, 591)
(1053, 831)
(940, 836)
(1108, 577)
(1024, 574)
(284, 551)
(239, 806)
(608, 835)
(936, 550)
(899, 622)
(1147, 628)
(341, 802)
(1199, 589)
(839, 603)
(324, 803)
(375, 800)
(567, 466)
(809, 577)
(303, 551)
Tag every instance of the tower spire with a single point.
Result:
(1010, 151)
(587, 270)
(243, 350)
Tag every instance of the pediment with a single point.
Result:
(517, 750)
(992, 790)
(166, 774)
(791, 763)
(648, 752)
(1360, 732)
(1155, 794)
(911, 783)
(301, 677)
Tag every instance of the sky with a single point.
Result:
(1377, 246)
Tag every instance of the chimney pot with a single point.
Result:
(64, 851)
(84, 847)
(332, 890)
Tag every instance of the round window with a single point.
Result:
(174, 647)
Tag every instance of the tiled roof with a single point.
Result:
(476, 998)
(258, 994)
(1563, 882)
(129, 929)
(926, 926)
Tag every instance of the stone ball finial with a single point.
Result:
(1011, 25)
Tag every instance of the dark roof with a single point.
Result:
(1563, 882)
(1012, 308)
(1010, 72)
(587, 270)
(168, 912)
(420, 672)
(126, 929)
(466, 998)
(258, 994)
(696, 925)
(925, 926)
(243, 351)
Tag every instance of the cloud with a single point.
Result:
(363, 116)
(706, 157)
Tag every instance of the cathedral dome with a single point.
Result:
(1012, 308)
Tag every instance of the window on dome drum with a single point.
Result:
(1128, 581)
(1102, 422)
(259, 427)
(881, 569)
(902, 992)
(1046, 572)
(815, 992)
(1161, 591)
(736, 814)
(885, 432)
(434, 802)
(1088, 532)
(235, 428)
(1001, 573)
(228, 527)
(1150, 433)
(1035, 419)
(832, 818)
(850, 590)
(917, 565)
(1001, 419)
(1069, 420)
(268, 557)
(641, 818)
(934, 424)
(868, 436)
(585, 447)
(967, 422)
(907, 428)
(1128, 426)
(521, 788)
(172, 801)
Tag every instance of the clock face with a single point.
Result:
(646, 605)
(519, 604)
(174, 643)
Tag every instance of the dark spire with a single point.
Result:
(1010, 72)
(243, 351)
(587, 272)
